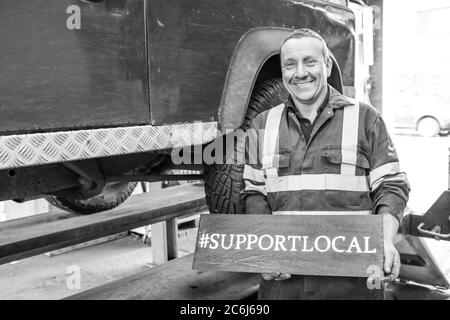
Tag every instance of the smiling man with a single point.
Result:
(323, 153)
(306, 65)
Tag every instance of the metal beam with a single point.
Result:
(31, 236)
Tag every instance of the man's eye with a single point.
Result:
(310, 62)
(289, 65)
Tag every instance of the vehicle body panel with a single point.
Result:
(192, 45)
(65, 92)
(53, 78)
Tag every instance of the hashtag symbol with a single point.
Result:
(204, 240)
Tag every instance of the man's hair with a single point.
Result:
(307, 33)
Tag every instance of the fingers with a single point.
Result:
(283, 276)
(388, 279)
(388, 262)
(391, 266)
(395, 270)
(270, 276)
(277, 276)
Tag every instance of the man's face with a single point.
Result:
(304, 69)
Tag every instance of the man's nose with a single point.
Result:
(300, 71)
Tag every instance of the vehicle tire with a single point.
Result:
(113, 195)
(428, 127)
(223, 182)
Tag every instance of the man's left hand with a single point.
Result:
(391, 263)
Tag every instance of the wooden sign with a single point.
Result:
(320, 245)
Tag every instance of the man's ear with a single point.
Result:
(329, 67)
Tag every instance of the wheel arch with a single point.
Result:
(427, 116)
(256, 58)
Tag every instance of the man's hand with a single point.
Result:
(277, 276)
(391, 264)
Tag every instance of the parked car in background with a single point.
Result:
(429, 116)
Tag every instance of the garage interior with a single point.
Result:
(50, 275)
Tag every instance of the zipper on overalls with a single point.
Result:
(328, 115)
(321, 122)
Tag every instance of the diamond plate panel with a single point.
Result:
(43, 148)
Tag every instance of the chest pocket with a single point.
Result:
(280, 162)
(333, 161)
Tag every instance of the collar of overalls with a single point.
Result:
(335, 101)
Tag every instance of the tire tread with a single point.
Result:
(224, 182)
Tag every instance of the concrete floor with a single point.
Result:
(49, 278)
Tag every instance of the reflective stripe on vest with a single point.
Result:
(349, 144)
(318, 182)
(271, 134)
(324, 213)
(383, 171)
(253, 174)
(251, 187)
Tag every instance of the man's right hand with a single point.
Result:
(277, 276)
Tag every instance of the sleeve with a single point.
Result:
(389, 185)
(254, 194)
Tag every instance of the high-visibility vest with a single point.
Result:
(346, 184)
(346, 181)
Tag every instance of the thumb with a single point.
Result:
(387, 263)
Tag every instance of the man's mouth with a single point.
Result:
(303, 83)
